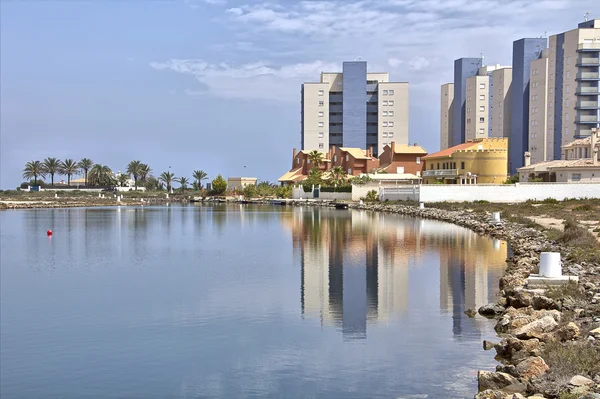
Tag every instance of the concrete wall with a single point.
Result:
(508, 192)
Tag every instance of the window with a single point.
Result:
(482, 108)
(391, 113)
(385, 124)
(482, 96)
(481, 120)
(462, 165)
(418, 160)
(385, 113)
(391, 134)
(297, 161)
(567, 102)
(568, 89)
(481, 130)
(385, 92)
(482, 85)
(349, 171)
(347, 157)
(320, 145)
(391, 124)
(385, 135)
(321, 103)
(469, 88)
(335, 158)
(469, 109)
(576, 177)
(568, 74)
(551, 90)
(320, 113)
(321, 92)
(391, 102)
(391, 92)
(468, 99)
(321, 124)
(385, 102)
(569, 60)
(321, 135)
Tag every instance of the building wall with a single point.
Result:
(539, 147)
(477, 107)
(583, 176)
(524, 51)
(489, 166)
(411, 163)
(463, 68)
(315, 116)
(354, 104)
(501, 103)
(555, 94)
(392, 108)
(446, 115)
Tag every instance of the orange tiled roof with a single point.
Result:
(449, 151)
(291, 176)
(409, 149)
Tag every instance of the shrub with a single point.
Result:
(343, 189)
(219, 185)
(583, 208)
(372, 196)
(572, 358)
(550, 201)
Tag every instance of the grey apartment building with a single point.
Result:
(353, 108)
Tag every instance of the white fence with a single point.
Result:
(400, 193)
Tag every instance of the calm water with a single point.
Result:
(237, 302)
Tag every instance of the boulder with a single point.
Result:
(520, 299)
(537, 328)
(490, 394)
(540, 302)
(487, 345)
(499, 381)
(508, 369)
(491, 309)
(471, 312)
(568, 332)
(590, 395)
(517, 350)
(532, 367)
(518, 396)
(580, 381)
(595, 331)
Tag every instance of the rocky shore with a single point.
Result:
(549, 339)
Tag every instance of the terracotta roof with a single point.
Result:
(409, 149)
(580, 142)
(357, 153)
(449, 151)
(558, 164)
(291, 176)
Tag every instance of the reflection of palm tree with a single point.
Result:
(183, 181)
(51, 167)
(85, 165)
(101, 175)
(69, 167)
(316, 157)
(199, 175)
(33, 169)
(167, 178)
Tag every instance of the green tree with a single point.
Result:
(264, 189)
(512, 179)
(315, 177)
(33, 170)
(360, 180)
(250, 191)
(167, 178)
(152, 183)
(101, 175)
(134, 168)
(69, 167)
(284, 192)
(145, 172)
(199, 176)
(316, 157)
(338, 176)
(219, 185)
(85, 165)
(184, 182)
(51, 167)
(123, 177)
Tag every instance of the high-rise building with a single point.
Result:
(501, 102)
(524, 52)
(354, 108)
(463, 69)
(540, 140)
(446, 115)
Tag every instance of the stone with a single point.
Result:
(591, 339)
(508, 369)
(499, 381)
(518, 396)
(490, 394)
(595, 331)
(542, 302)
(580, 381)
(491, 309)
(471, 312)
(521, 299)
(487, 345)
(535, 397)
(590, 395)
(537, 328)
(568, 332)
(532, 367)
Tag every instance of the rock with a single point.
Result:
(518, 396)
(532, 367)
(591, 339)
(595, 331)
(499, 381)
(491, 309)
(520, 299)
(517, 350)
(580, 381)
(487, 345)
(590, 395)
(535, 397)
(542, 302)
(537, 328)
(490, 394)
(508, 369)
(471, 312)
(568, 332)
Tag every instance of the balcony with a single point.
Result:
(441, 173)
(587, 119)
(589, 62)
(588, 76)
(587, 91)
(587, 105)
(588, 47)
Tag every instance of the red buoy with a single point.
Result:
(49, 233)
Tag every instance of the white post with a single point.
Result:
(167, 195)
(550, 264)
(496, 216)
(55, 195)
(118, 199)
(421, 205)
(99, 195)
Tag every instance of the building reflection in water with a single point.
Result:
(355, 267)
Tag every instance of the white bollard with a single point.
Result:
(167, 195)
(361, 202)
(118, 199)
(550, 265)
(99, 195)
(496, 216)
(421, 205)
(55, 195)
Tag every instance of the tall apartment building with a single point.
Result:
(354, 108)
(501, 90)
(524, 52)
(540, 142)
(463, 69)
(446, 115)
(573, 74)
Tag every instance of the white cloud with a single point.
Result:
(418, 63)
(395, 62)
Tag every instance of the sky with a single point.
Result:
(215, 84)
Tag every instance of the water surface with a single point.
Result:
(241, 302)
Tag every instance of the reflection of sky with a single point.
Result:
(194, 301)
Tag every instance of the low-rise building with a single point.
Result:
(402, 158)
(354, 161)
(478, 161)
(239, 183)
(301, 166)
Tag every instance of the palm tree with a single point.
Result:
(135, 169)
(316, 157)
(183, 181)
(338, 175)
(101, 175)
(69, 167)
(199, 175)
(167, 178)
(123, 177)
(145, 172)
(33, 169)
(51, 166)
(85, 165)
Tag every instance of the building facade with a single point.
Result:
(446, 115)
(501, 93)
(353, 108)
(463, 69)
(524, 52)
(540, 144)
(402, 158)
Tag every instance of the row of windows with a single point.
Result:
(388, 102)
(388, 92)
(388, 135)
(388, 124)
(481, 108)
(388, 113)
(447, 165)
(481, 97)
(481, 120)
(481, 86)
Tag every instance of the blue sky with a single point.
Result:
(215, 84)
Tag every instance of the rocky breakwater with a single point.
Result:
(549, 338)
